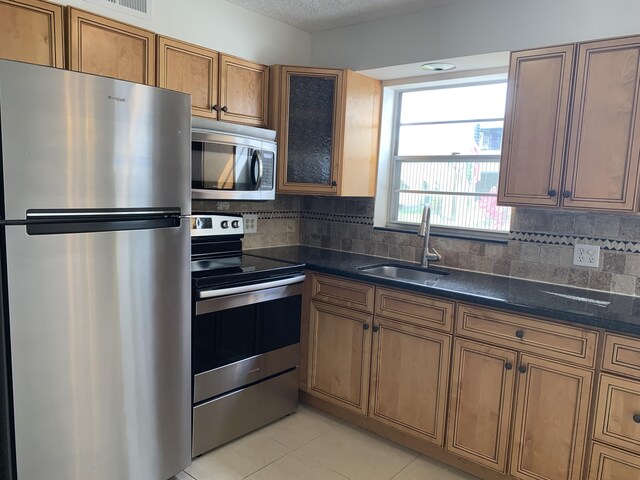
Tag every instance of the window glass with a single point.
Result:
(448, 144)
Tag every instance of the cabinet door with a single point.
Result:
(31, 31)
(617, 419)
(190, 69)
(340, 356)
(309, 121)
(409, 379)
(604, 149)
(552, 410)
(482, 389)
(535, 126)
(244, 91)
(612, 464)
(105, 47)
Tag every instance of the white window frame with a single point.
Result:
(389, 161)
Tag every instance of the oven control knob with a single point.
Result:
(235, 224)
(225, 224)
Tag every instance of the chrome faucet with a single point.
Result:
(423, 231)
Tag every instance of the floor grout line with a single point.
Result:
(405, 467)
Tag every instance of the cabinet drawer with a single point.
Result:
(618, 413)
(416, 309)
(345, 293)
(622, 355)
(612, 464)
(528, 334)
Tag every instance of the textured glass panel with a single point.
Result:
(310, 142)
(468, 138)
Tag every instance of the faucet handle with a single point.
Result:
(435, 256)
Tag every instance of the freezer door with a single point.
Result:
(77, 141)
(100, 349)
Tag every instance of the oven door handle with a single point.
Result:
(250, 288)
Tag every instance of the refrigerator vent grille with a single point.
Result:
(139, 8)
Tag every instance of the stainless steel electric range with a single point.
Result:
(246, 334)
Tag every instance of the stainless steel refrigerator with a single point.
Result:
(95, 346)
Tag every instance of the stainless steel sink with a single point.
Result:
(404, 273)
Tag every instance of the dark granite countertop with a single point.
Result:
(620, 313)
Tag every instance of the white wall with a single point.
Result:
(473, 27)
(219, 25)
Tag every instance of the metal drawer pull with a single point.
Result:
(508, 366)
(636, 418)
(250, 288)
(520, 334)
(376, 328)
(365, 326)
(522, 369)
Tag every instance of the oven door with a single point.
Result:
(244, 334)
(231, 168)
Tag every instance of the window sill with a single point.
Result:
(476, 236)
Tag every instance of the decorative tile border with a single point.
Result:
(551, 239)
(273, 215)
(338, 218)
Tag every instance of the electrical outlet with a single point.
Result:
(586, 255)
(250, 223)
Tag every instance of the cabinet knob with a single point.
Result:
(334, 183)
(636, 418)
(508, 366)
(520, 334)
(375, 328)
(215, 108)
(225, 109)
(552, 193)
(522, 369)
(365, 326)
(566, 194)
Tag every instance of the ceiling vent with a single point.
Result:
(138, 8)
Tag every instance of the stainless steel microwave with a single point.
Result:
(232, 162)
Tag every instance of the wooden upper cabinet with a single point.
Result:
(535, 126)
(328, 123)
(604, 149)
(102, 46)
(190, 69)
(550, 421)
(31, 31)
(244, 91)
(482, 390)
(580, 115)
(409, 379)
(340, 356)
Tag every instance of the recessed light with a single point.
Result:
(437, 66)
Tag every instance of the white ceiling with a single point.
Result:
(319, 15)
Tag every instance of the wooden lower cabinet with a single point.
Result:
(481, 398)
(550, 422)
(409, 379)
(617, 420)
(340, 355)
(612, 464)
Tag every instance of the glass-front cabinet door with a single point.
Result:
(309, 139)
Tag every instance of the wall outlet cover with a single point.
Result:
(250, 223)
(586, 255)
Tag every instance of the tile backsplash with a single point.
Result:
(540, 245)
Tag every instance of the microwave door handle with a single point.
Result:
(257, 157)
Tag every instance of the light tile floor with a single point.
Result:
(309, 445)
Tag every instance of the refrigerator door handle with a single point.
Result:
(51, 215)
